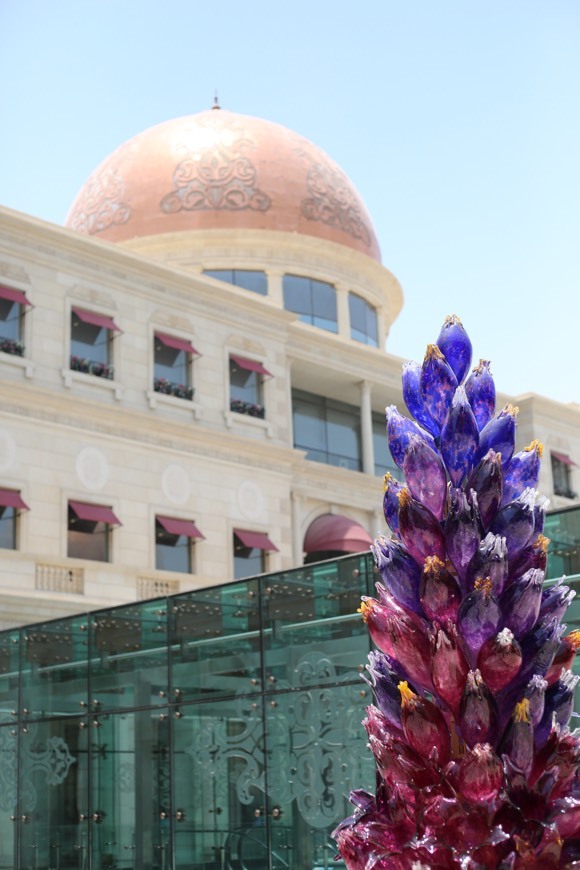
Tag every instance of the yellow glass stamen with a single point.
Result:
(522, 711)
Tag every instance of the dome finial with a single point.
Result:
(216, 104)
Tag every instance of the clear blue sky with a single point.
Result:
(459, 122)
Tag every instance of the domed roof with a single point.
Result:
(221, 170)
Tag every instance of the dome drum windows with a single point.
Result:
(91, 340)
(314, 301)
(172, 366)
(13, 305)
(248, 279)
(363, 320)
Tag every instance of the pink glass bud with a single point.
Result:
(478, 715)
(480, 774)
(424, 727)
(425, 476)
(480, 390)
(439, 591)
(459, 438)
(487, 482)
(499, 660)
(401, 635)
(391, 491)
(437, 384)
(420, 531)
(450, 668)
(564, 657)
(565, 761)
(518, 741)
(399, 571)
(479, 618)
(522, 472)
(565, 815)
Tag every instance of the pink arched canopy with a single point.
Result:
(332, 532)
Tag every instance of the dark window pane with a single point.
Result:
(315, 301)
(10, 319)
(363, 320)
(298, 296)
(247, 561)
(328, 430)
(344, 438)
(309, 425)
(245, 391)
(324, 306)
(87, 539)
(248, 279)
(220, 274)
(7, 528)
(171, 364)
(89, 341)
(561, 477)
(172, 552)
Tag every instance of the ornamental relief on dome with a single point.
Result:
(332, 202)
(101, 203)
(222, 178)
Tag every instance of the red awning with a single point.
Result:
(561, 457)
(14, 296)
(95, 513)
(250, 365)
(12, 498)
(338, 533)
(255, 540)
(102, 320)
(177, 343)
(179, 527)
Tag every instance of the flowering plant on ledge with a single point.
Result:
(11, 345)
(249, 408)
(90, 367)
(168, 388)
(476, 764)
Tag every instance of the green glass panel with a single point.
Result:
(9, 675)
(8, 795)
(130, 814)
(312, 632)
(53, 829)
(55, 668)
(215, 642)
(129, 656)
(317, 753)
(218, 785)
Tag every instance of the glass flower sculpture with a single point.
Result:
(477, 767)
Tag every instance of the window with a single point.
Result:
(90, 346)
(248, 279)
(172, 365)
(173, 544)
(328, 430)
(246, 377)
(314, 301)
(249, 553)
(561, 474)
(363, 320)
(13, 304)
(89, 531)
(383, 459)
(10, 504)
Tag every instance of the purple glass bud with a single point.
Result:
(437, 383)
(515, 522)
(402, 636)
(399, 430)
(535, 693)
(480, 774)
(523, 471)
(499, 660)
(479, 618)
(499, 435)
(454, 344)
(420, 531)
(414, 400)
(384, 681)
(463, 531)
(439, 591)
(391, 502)
(555, 600)
(425, 476)
(539, 648)
(480, 390)
(478, 715)
(424, 727)
(450, 667)
(487, 481)
(534, 555)
(459, 438)
(490, 560)
(399, 571)
(518, 741)
(520, 602)
(559, 704)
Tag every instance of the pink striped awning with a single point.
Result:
(255, 540)
(12, 498)
(338, 533)
(179, 527)
(561, 457)
(177, 343)
(102, 320)
(94, 513)
(250, 365)
(15, 296)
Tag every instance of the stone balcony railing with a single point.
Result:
(155, 587)
(58, 578)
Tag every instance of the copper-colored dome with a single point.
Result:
(220, 170)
